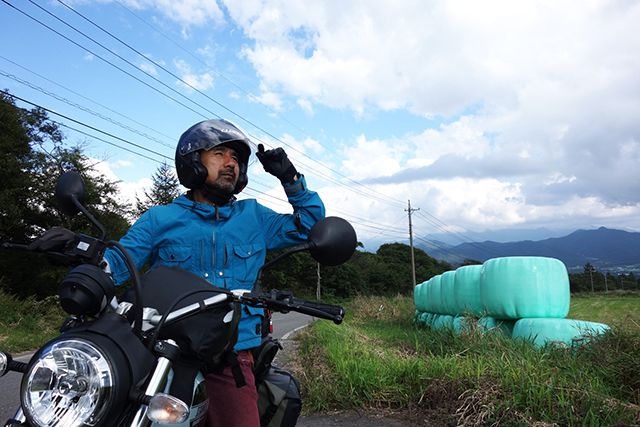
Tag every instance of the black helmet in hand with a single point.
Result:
(204, 136)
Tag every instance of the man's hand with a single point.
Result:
(55, 239)
(277, 163)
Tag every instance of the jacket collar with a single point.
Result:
(205, 210)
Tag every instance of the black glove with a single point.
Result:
(56, 239)
(277, 163)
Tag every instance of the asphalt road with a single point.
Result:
(283, 324)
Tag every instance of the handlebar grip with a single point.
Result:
(17, 366)
(333, 310)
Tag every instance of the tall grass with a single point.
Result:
(379, 358)
(27, 324)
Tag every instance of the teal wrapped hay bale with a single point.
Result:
(491, 324)
(566, 332)
(442, 321)
(424, 318)
(463, 324)
(434, 301)
(420, 296)
(428, 320)
(466, 290)
(416, 317)
(519, 287)
(447, 296)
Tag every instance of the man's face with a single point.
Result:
(222, 167)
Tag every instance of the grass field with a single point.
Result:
(379, 359)
(27, 324)
(615, 309)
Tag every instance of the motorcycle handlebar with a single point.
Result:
(284, 302)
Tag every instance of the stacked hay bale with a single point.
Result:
(523, 297)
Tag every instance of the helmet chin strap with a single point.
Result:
(216, 195)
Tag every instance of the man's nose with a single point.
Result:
(230, 160)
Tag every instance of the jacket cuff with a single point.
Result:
(294, 187)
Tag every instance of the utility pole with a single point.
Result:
(606, 286)
(413, 260)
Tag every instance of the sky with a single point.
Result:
(485, 115)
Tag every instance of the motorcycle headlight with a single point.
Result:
(69, 384)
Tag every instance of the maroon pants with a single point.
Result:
(230, 405)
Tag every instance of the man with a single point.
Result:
(224, 240)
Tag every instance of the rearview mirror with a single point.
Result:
(332, 241)
(70, 193)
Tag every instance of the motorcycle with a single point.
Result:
(139, 359)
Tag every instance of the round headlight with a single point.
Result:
(69, 384)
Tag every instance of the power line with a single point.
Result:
(221, 105)
(85, 109)
(85, 125)
(192, 55)
(112, 64)
(105, 141)
(329, 178)
(85, 98)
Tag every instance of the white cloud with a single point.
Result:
(121, 164)
(184, 12)
(193, 81)
(149, 68)
(127, 191)
(269, 98)
(305, 105)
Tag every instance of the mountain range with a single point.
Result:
(606, 249)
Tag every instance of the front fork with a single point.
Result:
(18, 419)
(8, 364)
(167, 350)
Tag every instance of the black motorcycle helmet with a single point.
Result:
(204, 136)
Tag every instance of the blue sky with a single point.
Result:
(487, 115)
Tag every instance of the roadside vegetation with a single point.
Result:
(379, 359)
(26, 324)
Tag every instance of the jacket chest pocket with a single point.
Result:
(175, 256)
(246, 261)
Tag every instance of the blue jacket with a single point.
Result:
(227, 248)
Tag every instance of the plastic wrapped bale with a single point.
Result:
(442, 321)
(466, 290)
(491, 324)
(432, 318)
(416, 317)
(420, 296)
(424, 318)
(566, 332)
(433, 295)
(447, 297)
(463, 324)
(522, 287)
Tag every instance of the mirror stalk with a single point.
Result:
(94, 221)
(299, 248)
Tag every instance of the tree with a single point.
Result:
(33, 157)
(164, 189)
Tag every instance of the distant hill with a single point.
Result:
(604, 248)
